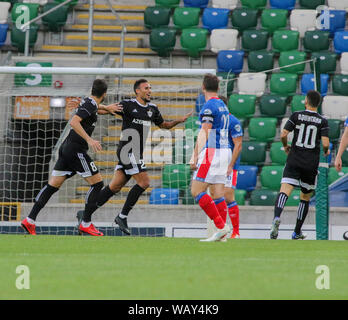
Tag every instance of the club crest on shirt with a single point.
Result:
(149, 113)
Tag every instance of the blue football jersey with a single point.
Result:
(235, 130)
(214, 111)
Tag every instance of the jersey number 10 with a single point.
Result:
(311, 131)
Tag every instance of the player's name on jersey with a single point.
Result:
(307, 118)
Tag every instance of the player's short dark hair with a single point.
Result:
(99, 87)
(224, 99)
(138, 83)
(211, 83)
(313, 98)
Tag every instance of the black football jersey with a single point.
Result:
(137, 119)
(308, 127)
(87, 110)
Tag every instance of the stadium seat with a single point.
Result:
(307, 83)
(282, 4)
(18, 37)
(274, 19)
(277, 154)
(167, 3)
(196, 3)
(303, 20)
(192, 123)
(254, 40)
(260, 61)
(19, 9)
(200, 101)
(317, 40)
(311, 4)
(230, 61)
(263, 197)
(273, 105)
(333, 175)
(155, 17)
(298, 103)
(164, 196)
(194, 41)
(285, 40)
(4, 9)
(242, 106)
(271, 176)
(244, 18)
(223, 39)
(215, 18)
(186, 17)
(338, 4)
(247, 177)
(253, 153)
(340, 84)
(3, 33)
(294, 199)
(226, 84)
(176, 176)
(262, 129)
(225, 4)
(344, 63)
(341, 41)
(162, 41)
(337, 21)
(254, 4)
(326, 60)
(252, 83)
(335, 107)
(56, 20)
(283, 84)
(240, 196)
(291, 57)
(335, 129)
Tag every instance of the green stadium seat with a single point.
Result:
(254, 4)
(335, 126)
(283, 83)
(311, 4)
(273, 105)
(253, 153)
(176, 176)
(186, 17)
(194, 41)
(340, 84)
(285, 40)
(298, 103)
(271, 177)
(263, 197)
(242, 105)
(254, 40)
(274, 19)
(262, 129)
(294, 199)
(18, 37)
(327, 61)
(226, 84)
(167, 3)
(162, 41)
(155, 17)
(260, 61)
(244, 18)
(290, 57)
(334, 175)
(316, 40)
(19, 9)
(277, 154)
(239, 196)
(56, 20)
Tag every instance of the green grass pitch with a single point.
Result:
(73, 267)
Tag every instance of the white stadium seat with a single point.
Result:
(335, 107)
(225, 4)
(344, 63)
(4, 8)
(223, 39)
(252, 83)
(303, 20)
(282, 125)
(338, 4)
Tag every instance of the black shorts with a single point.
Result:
(305, 178)
(72, 160)
(132, 165)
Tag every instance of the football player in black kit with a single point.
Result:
(137, 115)
(73, 157)
(301, 169)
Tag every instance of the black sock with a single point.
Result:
(41, 199)
(280, 204)
(91, 200)
(132, 199)
(301, 215)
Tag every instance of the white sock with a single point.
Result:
(122, 216)
(86, 224)
(31, 221)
